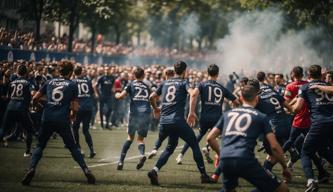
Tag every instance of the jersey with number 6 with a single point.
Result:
(212, 95)
(241, 128)
(174, 95)
(320, 103)
(60, 93)
(139, 93)
(20, 95)
(85, 93)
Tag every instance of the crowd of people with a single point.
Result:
(49, 42)
(288, 115)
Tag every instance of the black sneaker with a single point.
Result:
(323, 177)
(28, 177)
(312, 187)
(90, 177)
(206, 179)
(141, 162)
(92, 155)
(120, 166)
(153, 177)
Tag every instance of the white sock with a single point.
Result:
(156, 169)
(310, 181)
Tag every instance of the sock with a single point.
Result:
(141, 148)
(268, 165)
(156, 169)
(124, 150)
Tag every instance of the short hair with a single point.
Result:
(254, 83)
(249, 92)
(315, 71)
(330, 73)
(22, 70)
(179, 67)
(213, 70)
(244, 80)
(139, 72)
(78, 70)
(261, 76)
(297, 71)
(66, 68)
(279, 75)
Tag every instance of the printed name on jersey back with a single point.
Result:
(60, 83)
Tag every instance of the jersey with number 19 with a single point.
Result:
(59, 92)
(174, 96)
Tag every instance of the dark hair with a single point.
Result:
(213, 70)
(66, 68)
(22, 70)
(139, 72)
(244, 80)
(315, 71)
(261, 76)
(254, 83)
(249, 92)
(330, 73)
(179, 67)
(297, 71)
(78, 70)
(280, 75)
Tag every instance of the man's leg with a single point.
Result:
(86, 133)
(101, 111)
(108, 112)
(75, 128)
(26, 124)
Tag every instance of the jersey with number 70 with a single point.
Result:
(60, 93)
(173, 94)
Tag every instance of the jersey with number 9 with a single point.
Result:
(173, 94)
(60, 93)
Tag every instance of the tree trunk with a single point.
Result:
(138, 36)
(72, 24)
(93, 35)
(117, 33)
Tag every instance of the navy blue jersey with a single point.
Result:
(139, 93)
(85, 93)
(59, 92)
(105, 85)
(212, 95)
(174, 94)
(320, 103)
(270, 103)
(19, 94)
(241, 128)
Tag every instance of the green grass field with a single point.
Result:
(58, 172)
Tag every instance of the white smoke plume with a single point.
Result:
(258, 41)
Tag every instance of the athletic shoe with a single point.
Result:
(92, 155)
(120, 166)
(27, 154)
(141, 162)
(153, 177)
(5, 143)
(90, 177)
(215, 178)
(290, 165)
(323, 177)
(206, 179)
(28, 177)
(152, 154)
(179, 159)
(82, 153)
(312, 187)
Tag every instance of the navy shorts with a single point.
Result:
(139, 124)
(206, 124)
(250, 170)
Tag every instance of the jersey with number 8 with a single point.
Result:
(59, 93)
(240, 129)
(173, 94)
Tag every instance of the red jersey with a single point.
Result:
(302, 118)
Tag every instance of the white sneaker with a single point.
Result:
(152, 154)
(179, 159)
(27, 154)
(290, 165)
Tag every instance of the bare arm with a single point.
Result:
(121, 95)
(298, 105)
(192, 117)
(326, 89)
(153, 98)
